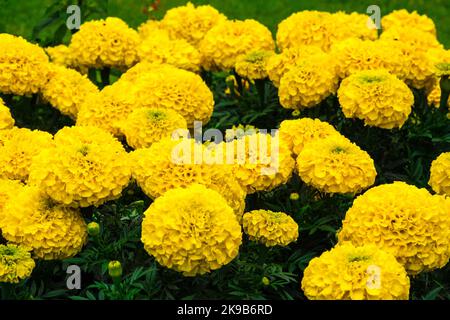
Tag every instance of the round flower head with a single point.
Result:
(151, 28)
(228, 41)
(336, 165)
(279, 64)
(270, 228)
(109, 108)
(191, 23)
(50, 230)
(353, 25)
(297, 133)
(376, 97)
(421, 40)
(17, 149)
(6, 120)
(402, 18)
(7, 189)
(260, 161)
(59, 55)
(355, 273)
(172, 164)
(353, 55)
(253, 65)
(86, 167)
(144, 126)
(172, 88)
(408, 222)
(67, 89)
(192, 230)
(440, 174)
(15, 263)
(23, 66)
(308, 83)
(105, 43)
(159, 48)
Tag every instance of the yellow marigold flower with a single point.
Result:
(144, 67)
(442, 69)
(228, 41)
(191, 23)
(279, 64)
(440, 174)
(87, 167)
(270, 228)
(151, 28)
(353, 55)
(377, 97)
(60, 55)
(7, 189)
(17, 149)
(308, 83)
(404, 19)
(193, 230)
(253, 65)
(408, 222)
(353, 25)
(50, 230)
(297, 133)
(105, 43)
(172, 88)
(144, 126)
(67, 90)
(6, 120)
(434, 96)
(336, 165)
(260, 161)
(15, 263)
(169, 164)
(355, 273)
(23, 66)
(421, 40)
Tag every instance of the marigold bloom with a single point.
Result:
(253, 65)
(6, 120)
(7, 189)
(402, 18)
(15, 263)
(440, 174)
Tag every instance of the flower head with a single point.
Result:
(15, 263)
(253, 65)
(402, 18)
(440, 174)
(6, 120)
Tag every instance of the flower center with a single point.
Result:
(156, 115)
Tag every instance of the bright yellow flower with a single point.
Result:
(404, 19)
(440, 174)
(6, 120)
(15, 263)
(253, 65)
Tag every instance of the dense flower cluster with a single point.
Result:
(105, 43)
(7, 189)
(336, 165)
(402, 18)
(191, 230)
(376, 97)
(409, 222)
(172, 164)
(15, 263)
(144, 126)
(67, 90)
(440, 174)
(17, 149)
(270, 228)
(228, 41)
(253, 65)
(6, 120)
(86, 167)
(297, 133)
(23, 66)
(191, 23)
(50, 230)
(309, 82)
(355, 273)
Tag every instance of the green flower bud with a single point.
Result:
(294, 196)
(265, 281)
(93, 229)
(115, 269)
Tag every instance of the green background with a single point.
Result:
(20, 16)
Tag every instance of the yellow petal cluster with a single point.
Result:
(355, 273)
(145, 126)
(440, 174)
(336, 165)
(23, 66)
(50, 230)
(15, 263)
(191, 23)
(7, 189)
(6, 120)
(193, 230)
(411, 20)
(67, 90)
(87, 167)
(170, 164)
(308, 83)
(105, 43)
(253, 65)
(228, 41)
(270, 228)
(377, 97)
(17, 149)
(402, 219)
(299, 132)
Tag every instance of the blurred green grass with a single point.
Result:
(20, 16)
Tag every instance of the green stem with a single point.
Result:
(261, 88)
